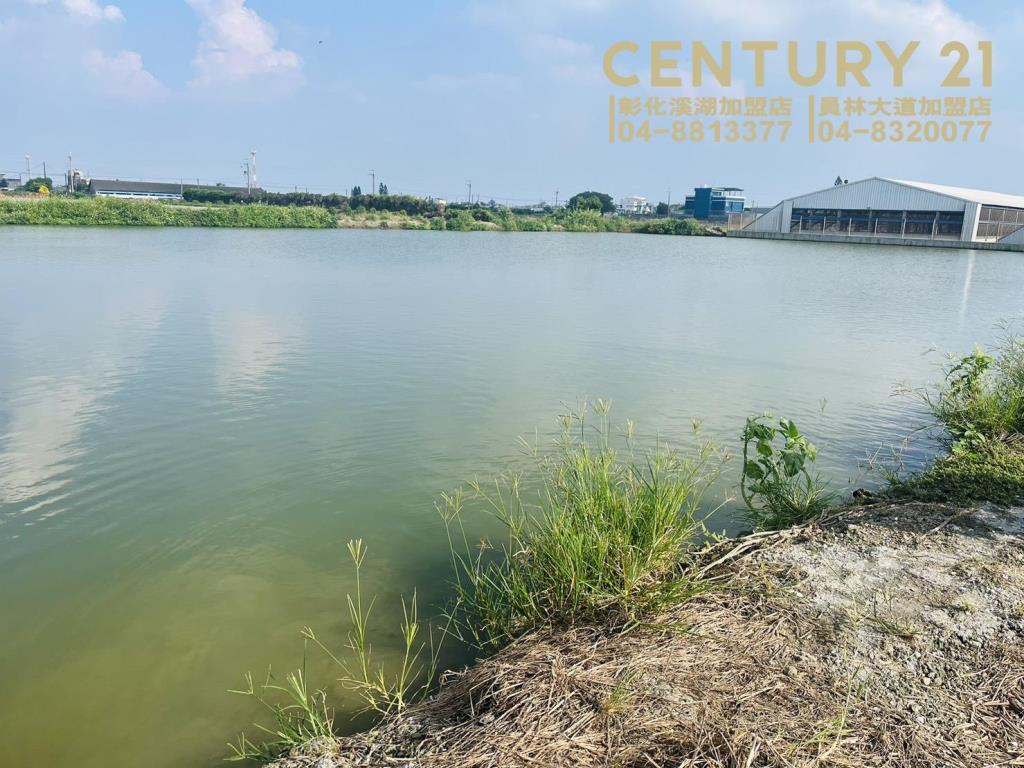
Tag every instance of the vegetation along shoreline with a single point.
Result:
(299, 210)
(612, 628)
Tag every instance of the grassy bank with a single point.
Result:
(979, 409)
(609, 609)
(110, 212)
(481, 219)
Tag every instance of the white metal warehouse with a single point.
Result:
(895, 209)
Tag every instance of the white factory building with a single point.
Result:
(890, 209)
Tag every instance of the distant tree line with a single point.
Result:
(578, 211)
(413, 206)
(591, 201)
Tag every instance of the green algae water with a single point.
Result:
(194, 422)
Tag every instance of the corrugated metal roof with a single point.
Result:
(156, 187)
(964, 193)
(116, 185)
(879, 194)
(873, 190)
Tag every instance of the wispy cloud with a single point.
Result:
(87, 10)
(236, 44)
(123, 75)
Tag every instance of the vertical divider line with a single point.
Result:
(611, 119)
(810, 119)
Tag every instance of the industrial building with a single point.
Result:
(714, 203)
(152, 190)
(887, 210)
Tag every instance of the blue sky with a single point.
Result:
(434, 93)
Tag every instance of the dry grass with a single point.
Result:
(773, 667)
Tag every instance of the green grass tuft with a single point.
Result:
(602, 538)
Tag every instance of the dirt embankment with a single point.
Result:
(886, 635)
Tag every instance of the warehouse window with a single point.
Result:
(917, 224)
(996, 222)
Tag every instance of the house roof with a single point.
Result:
(116, 185)
(155, 187)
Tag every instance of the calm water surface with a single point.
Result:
(194, 422)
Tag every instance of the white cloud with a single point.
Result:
(87, 10)
(123, 75)
(235, 44)
(90, 9)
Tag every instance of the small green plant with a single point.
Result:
(603, 539)
(303, 717)
(777, 484)
(620, 698)
(382, 692)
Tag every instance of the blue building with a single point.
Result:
(714, 203)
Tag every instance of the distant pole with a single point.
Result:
(71, 176)
(373, 182)
(44, 169)
(28, 167)
(253, 178)
(556, 198)
(469, 184)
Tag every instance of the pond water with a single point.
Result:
(194, 422)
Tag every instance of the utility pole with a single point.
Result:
(44, 169)
(253, 179)
(373, 182)
(556, 197)
(470, 196)
(28, 167)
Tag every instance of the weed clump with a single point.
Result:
(980, 407)
(981, 398)
(602, 538)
